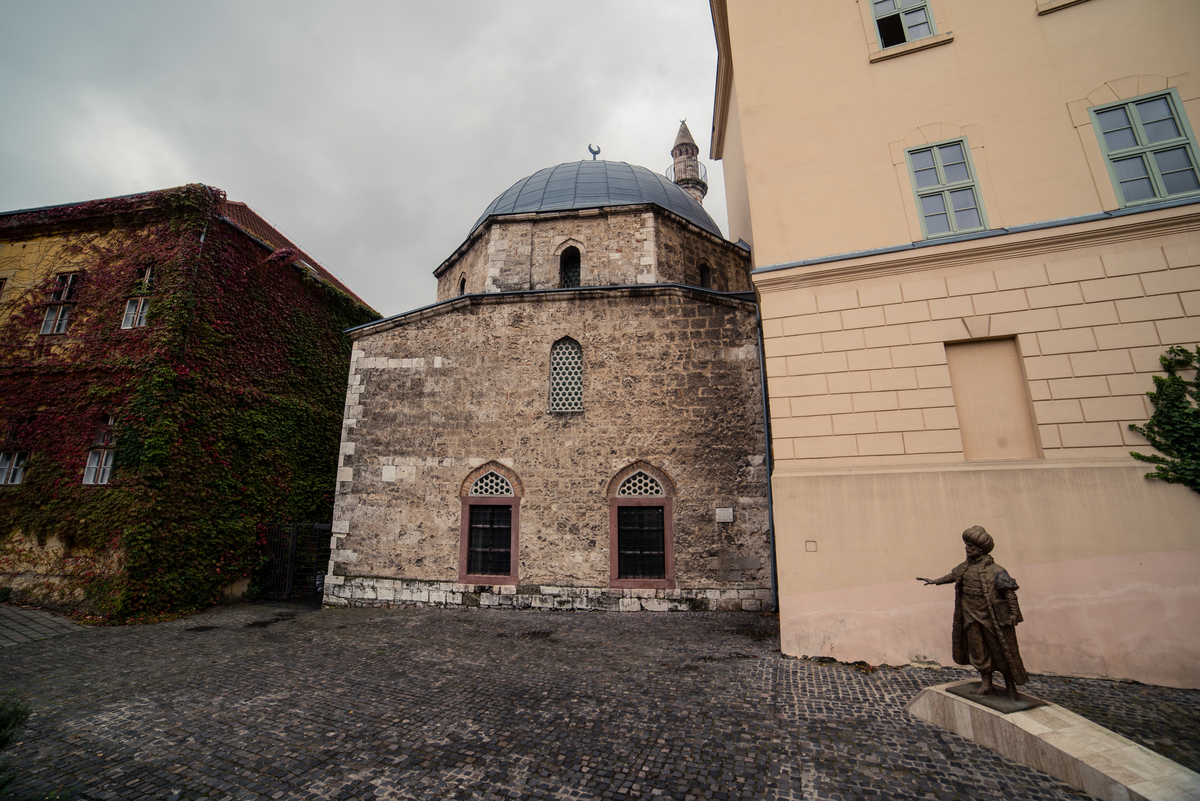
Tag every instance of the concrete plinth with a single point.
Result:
(1059, 742)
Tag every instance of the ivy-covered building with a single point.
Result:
(171, 378)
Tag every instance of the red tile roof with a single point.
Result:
(248, 220)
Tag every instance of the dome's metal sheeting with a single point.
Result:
(594, 184)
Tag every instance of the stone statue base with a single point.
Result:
(1001, 703)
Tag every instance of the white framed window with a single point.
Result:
(901, 21)
(99, 466)
(62, 295)
(947, 194)
(1148, 147)
(55, 321)
(566, 376)
(12, 467)
(135, 312)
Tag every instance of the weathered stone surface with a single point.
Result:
(629, 245)
(670, 377)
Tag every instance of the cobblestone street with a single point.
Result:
(283, 701)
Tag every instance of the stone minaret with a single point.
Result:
(687, 171)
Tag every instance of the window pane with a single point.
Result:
(884, 7)
(1118, 131)
(1177, 172)
(951, 153)
(641, 551)
(489, 541)
(917, 24)
(926, 178)
(921, 159)
(956, 172)
(932, 204)
(1134, 180)
(144, 308)
(48, 320)
(966, 212)
(105, 467)
(1128, 169)
(93, 463)
(130, 314)
(937, 224)
(908, 3)
(1157, 120)
(63, 313)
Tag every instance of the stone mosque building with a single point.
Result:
(577, 422)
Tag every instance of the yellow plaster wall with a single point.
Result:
(818, 118)
(23, 265)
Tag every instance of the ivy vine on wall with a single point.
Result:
(226, 407)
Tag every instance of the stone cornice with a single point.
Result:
(737, 300)
(724, 88)
(1001, 247)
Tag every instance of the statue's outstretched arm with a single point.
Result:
(946, 579)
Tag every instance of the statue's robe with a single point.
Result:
(1003, 613)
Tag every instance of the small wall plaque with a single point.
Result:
(724, 514)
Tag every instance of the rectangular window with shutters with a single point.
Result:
(1149, 148)
(994, 414)
(641, 543)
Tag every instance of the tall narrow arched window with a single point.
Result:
(568, 268)
(641, 528)
(566, 376)
(705, 276)
(488, 534)
(462, 285)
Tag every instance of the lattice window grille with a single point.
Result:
(640, 484)
(566, 376)
(491, 483)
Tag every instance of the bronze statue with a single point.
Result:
(985, 615)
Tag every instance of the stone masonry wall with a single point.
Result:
(618, 246)
(670, 377)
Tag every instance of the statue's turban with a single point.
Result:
(976, 536)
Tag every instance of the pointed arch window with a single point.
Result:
(566, 376)
(641, 529)
(489, 528)
(462, 285)
(568, 268)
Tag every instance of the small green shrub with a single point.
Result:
(1174, 429)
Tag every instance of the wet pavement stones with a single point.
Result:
(274, 701)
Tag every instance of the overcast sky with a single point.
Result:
(373, 134)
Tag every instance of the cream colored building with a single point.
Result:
(974, 231)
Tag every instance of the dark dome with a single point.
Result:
(592, 184)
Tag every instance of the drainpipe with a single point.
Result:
(766, 406)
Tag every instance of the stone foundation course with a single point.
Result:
(384, 592)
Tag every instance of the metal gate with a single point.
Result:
(297, 558)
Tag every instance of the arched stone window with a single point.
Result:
(462, 285)
(566, 376)
(641, 528)
(568, 268)
(490, 524)
(705, 276)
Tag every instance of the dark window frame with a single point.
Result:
(464, 545)
(668, 506)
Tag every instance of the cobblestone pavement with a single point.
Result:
(281, 701)
(19, 625)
